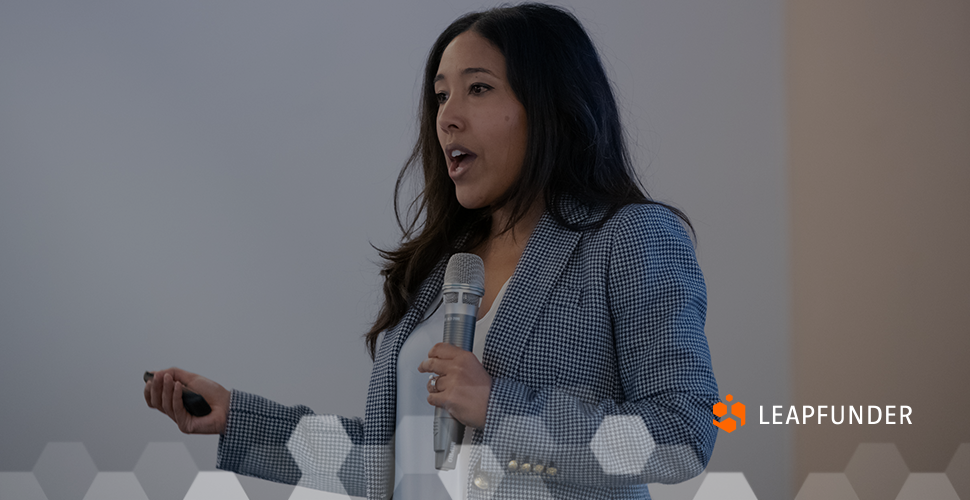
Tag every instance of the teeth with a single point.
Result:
(456, 153)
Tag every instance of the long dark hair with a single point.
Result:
(575, 147)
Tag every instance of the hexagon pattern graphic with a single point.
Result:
(680, 491)
(166, 470)
(216, 486)
(319, 445)
(261, 489)
(301, 493)
(20, 486)
(65, 470)
(876, 471)
(959, 471)
(622, 444)
(826, 486)
(725, 486)
(927, 486)
(115, 486)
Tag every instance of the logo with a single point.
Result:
(729, 424)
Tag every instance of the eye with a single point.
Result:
(441, 97)
(478, 88)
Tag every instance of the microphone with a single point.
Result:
(463, 290)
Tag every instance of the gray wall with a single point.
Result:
(197, 184)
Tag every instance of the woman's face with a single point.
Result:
(481, 125)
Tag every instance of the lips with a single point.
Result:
(459, 159)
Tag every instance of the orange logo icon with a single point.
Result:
(729, 424)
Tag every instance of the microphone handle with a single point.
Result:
(460, 329)
(448, 432)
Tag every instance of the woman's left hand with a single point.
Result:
(462, 386)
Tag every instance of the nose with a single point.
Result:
(451, 115)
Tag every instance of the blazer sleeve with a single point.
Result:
(292, 445)
(660, 428)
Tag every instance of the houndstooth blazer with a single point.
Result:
(602, 378)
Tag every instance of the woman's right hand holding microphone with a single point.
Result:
(164, 393)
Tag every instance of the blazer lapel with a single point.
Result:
(538, 270)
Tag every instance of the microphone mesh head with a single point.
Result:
(466, 268)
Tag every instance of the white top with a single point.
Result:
(413, 449)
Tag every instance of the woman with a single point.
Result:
(595, 375)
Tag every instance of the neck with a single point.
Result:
(520, 232)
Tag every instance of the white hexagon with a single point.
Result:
(923, 485)
(959, 471)
(876, 470)
(257, 488)
(319, 445)
(826, 486)
(622, 445)
(166, 470)
(725, 486)
(111, 485)
(425, 486)
(210, 485)
(64, 470)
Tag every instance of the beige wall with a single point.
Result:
(879, 127)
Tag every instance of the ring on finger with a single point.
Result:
(434, 383)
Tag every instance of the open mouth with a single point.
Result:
(458, 160)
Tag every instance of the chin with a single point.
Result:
(472, 206)
(471, 203)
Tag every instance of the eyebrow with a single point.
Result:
(466, 71)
